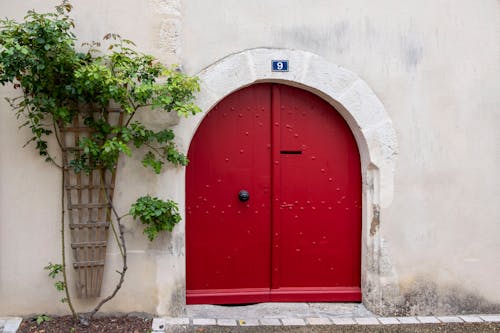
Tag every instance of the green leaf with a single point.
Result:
(157, 215)
(59, 285)
(54, 269)
(42, 318)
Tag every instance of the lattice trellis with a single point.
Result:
(88, 209)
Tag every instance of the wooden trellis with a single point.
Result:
(89, 211)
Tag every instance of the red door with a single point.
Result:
(298, 236)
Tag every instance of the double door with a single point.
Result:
(273, 201)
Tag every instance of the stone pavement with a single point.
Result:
(314, 317)
(9, 324)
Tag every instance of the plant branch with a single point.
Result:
(63, 248)
(124, 215)
(156, 150)
(116, 237)
(56, 133)
(51, 160)
(135, 107)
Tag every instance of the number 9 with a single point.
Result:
(279, 65)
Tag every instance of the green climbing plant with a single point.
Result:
(57, 82)
(158, 215)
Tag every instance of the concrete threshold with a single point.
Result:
(315, 317)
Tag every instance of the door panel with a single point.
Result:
(298, 236)
(320, 197)
(228, 240)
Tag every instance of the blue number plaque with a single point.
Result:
(279, 65)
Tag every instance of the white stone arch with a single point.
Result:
(363, 111)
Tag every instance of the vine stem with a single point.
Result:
(63, 248)
(51, 159)
(117, 238)
(133, 112)
(125, 215)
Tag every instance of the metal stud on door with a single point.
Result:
(273, 201)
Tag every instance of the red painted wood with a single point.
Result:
(228, 296)
(304, 294)
(255, 295)
(320, 202)
(228, 241)
(275, 188)
(298, 237)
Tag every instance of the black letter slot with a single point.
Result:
(291, 152)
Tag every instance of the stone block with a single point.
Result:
(389, 320)
(248, 322)
(318, 321)
(270, 322)
(204, 321)
(176, 321)
(471, 319)
(158, 324)
(343, 321)
(226, 322)
(428, 320)
(11, 325)
(293, 322)
(491, 318)
(367, 321)
(408, 320)
(450, 319)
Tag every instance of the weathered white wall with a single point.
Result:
(433, 64)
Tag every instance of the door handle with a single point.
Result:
(243, 195)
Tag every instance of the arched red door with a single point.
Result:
(297, 237)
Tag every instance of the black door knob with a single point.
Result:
(243, 195)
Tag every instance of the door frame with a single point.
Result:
(363, 112)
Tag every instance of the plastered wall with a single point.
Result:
(433, 65)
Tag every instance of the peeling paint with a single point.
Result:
(170, 28)
(168, 7)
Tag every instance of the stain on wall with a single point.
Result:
(425, 297)
(375, 219)
(335, 37)
(178, 300)
(412, 48)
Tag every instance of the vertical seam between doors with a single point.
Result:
(276, 188)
